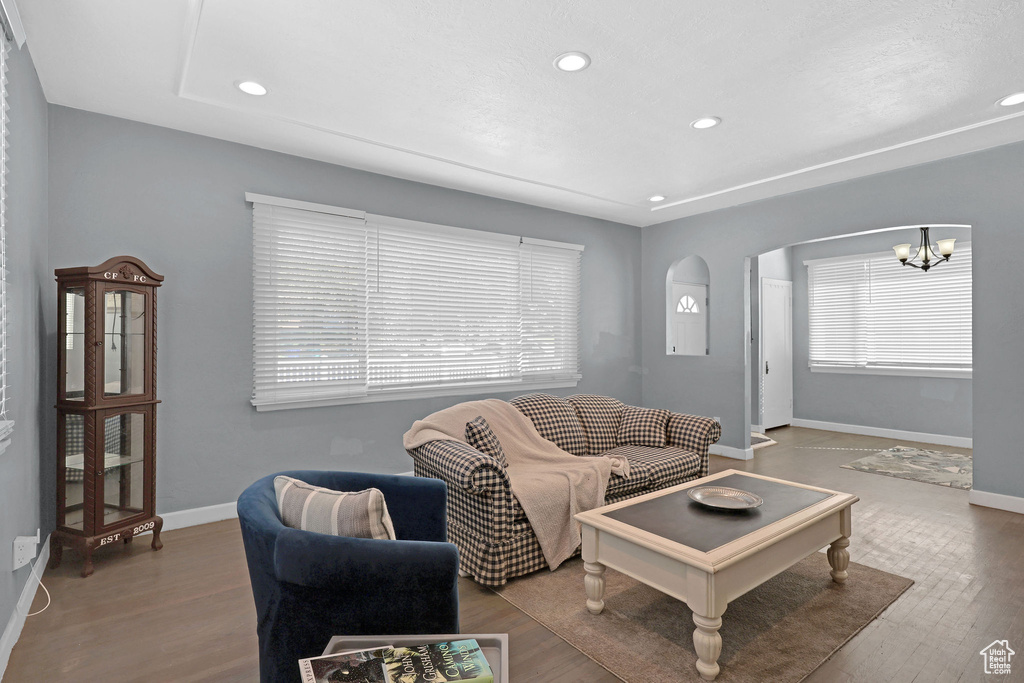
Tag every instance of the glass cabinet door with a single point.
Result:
(124, 343)
(74, 471)
(73, 343)
(124, 467)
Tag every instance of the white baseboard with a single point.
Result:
(196, 516)
(921, 437)
(757, 428)
(17, 621)
(730, 452)
(998, 501)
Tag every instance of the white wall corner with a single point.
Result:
(730, 452)
(998, 501)
(17, 621)
(197, 516)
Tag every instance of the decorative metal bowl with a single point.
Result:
(724, 497)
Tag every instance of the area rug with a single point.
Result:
(758, 440)
(780, 631)
(933, 467)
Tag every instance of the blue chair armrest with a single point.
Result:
(317, 560)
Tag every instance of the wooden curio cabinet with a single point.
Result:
(106, 407)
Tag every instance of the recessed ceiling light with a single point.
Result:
(572, 61)
(1012, 100)
(252, 88)
(706, 122)
(656, 198)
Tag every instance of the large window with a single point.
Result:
(353, 307)
(870, 314)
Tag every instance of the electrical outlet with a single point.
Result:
(24, 549)
(717, 419)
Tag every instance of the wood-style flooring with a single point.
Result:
(185, 613)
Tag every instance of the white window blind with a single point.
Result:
(309, 310)
(352, 307)
(871, 314)
(550, 311)
(444, 307)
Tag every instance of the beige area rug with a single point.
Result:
(758, 440)
(780, 631)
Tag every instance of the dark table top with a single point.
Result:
(677, 518)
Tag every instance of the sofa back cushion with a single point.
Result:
(600, 417)
(555, 419)
(643, 427)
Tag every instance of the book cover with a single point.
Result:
(365, 666)
(458, 660)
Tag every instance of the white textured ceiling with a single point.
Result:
(463, 94)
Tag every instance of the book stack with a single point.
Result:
(448, 661)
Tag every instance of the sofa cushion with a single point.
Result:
(600, 417)
(480, 436)
(359, 514)
(643, 427)
(555, 419)
(652, 468)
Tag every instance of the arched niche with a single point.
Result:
(687, 315)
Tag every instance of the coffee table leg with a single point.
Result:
(838, 555)
(839, 558)
(708, 644)
(594, 582)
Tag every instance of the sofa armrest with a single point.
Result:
(462, 466)
(313, 560)
(692, 432)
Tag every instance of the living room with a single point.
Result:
(86, 182)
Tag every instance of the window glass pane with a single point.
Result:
(124, 343)
(74, 470)
(73, 346)
(123, 466)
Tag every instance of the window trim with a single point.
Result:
(379, 395)
(883, 370)
(6, 425)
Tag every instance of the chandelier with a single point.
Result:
(925, 253)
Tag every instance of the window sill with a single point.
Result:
(411, 394)
(897, 372)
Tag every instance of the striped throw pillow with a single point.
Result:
(358, 514)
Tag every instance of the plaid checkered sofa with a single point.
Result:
(486, 522)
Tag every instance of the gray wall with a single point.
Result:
(981, 189)
(776, 264)
(918, 404)
(28, 285)
(176, 201)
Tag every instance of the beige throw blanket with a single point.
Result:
(549, 483)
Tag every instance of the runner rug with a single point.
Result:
(780, 631)
(917, 464)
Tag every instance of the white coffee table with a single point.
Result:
(708, 558)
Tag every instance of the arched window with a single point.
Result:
(687, 305)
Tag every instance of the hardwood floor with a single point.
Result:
(186, 613)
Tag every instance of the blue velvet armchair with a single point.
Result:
(309, 586)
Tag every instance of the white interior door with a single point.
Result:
(689, 319)
(776, 352)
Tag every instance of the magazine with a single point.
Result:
(459, 660)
